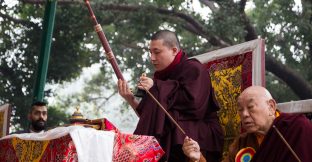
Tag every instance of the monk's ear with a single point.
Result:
(272, 106)
(175, 51)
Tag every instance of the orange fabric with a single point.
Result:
(277, 114)
(202, 158)
(260, 138)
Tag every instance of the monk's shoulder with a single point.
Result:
(297, 120)
(192, 62)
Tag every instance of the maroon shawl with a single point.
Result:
(186, 93)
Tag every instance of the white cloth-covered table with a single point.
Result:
(91, 145)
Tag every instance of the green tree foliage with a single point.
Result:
(128, 25)
(20, 44)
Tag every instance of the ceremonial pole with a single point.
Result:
(43, 60)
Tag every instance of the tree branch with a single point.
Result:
(242, 5)
(19, 21)
(107, 98)
(191, 29)
(214, 40)
(296, 82)
(210, 4)
(58, 1)
(101, 97)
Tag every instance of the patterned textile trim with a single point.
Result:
(58, 150)
(29, 150)
(136, 148)
(109, 126)
(243, 78)
(7, 151)
(256, 47)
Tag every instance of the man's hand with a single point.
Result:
(191, 149)
(126, 93)
(124, 90)
(146, 82)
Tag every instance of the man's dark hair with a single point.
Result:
(38, 103)
(170, 38)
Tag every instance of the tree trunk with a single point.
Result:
(296, 82)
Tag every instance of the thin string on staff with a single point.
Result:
(166, 112)
(284, 140)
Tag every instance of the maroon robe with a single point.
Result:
(295, 128)
(185, 91)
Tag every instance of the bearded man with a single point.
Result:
(37, 116)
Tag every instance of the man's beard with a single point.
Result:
(38, 125)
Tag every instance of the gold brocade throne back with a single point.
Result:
(233, 69)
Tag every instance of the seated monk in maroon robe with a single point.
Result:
(257, 110)
(184, 89)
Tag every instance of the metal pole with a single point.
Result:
(48, 24)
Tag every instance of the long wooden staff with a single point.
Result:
(111, 58)
(286, 143)
(166, 112)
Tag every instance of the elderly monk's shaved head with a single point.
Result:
(256, 91)
(256, 108)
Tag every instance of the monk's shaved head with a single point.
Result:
(256, 91)
(169, 38)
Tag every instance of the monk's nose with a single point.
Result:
(245, 113)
